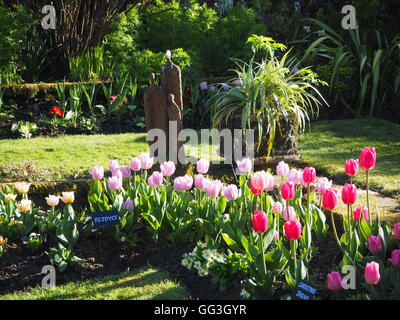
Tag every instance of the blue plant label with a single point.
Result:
(105, 219)
(304, 291)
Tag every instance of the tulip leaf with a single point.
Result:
(230, 242)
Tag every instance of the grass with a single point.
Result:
(330, 143)
(143, 284)
(55, 158)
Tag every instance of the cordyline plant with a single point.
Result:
(267, 93)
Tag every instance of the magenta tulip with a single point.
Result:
(367, 158)
(351, 167)
(397, 230)
(334, 280)
(309, 175)
(292, 229)
(395, 258)
(375, 244)
(349, 193)
(358, 211)
(329, 199)
(288, 190)
(371, 274)
(259, 222)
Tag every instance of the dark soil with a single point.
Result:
(20, 269)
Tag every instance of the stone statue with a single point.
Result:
(163, 108)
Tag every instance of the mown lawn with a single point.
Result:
(143, 284)
(329, 143)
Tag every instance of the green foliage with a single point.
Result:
(14, 35)
(265, 94)
(372, 55)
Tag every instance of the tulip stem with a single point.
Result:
(261, 244)
(308, 197)
(366, 182)
(293, 249)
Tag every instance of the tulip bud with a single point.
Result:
(282, 169)
(245, 165)
(292, 229)
(367, 158)
(371, 273)
(375, 244)
(334, 280)
(288, 190)
(136, 164)
(329, 199)
(277, 207)
(260, 222)
(357, 213)
(155, 179)
(231, 192)
(167, 168)
(395, 259)
(202, 166)
(351, 167)
(349, 193)
(97, 172)
(309, 175)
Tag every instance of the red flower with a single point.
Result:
(113, 98)
(56, 111)
(187, 89)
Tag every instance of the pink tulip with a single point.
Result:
(295, 176)
(113, 165)
(259, 222)
(367, 158)
(202, 166)
(289, 213)
(183, 183)
(395, 259)
(167, 168)
(117, 173)
(334, 280)
(253, 189)
(199, 181)
(146, 161)
(155, 179)
(329, 199)
(282, 169)
(128, 205)
(292, 229)
(231, 192)
(397, 230)
(214, 188)
(371, 274)
(126, 171)
(136, 164)
(263, 181)
(277, 207)
(309, 175)
(375, 244)
(357, 213)
(288, 190)
(97, 172)
(349, 193)
(114, 183)
(351, 167)
(323, 184)
(244, 165)
(276, 235)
